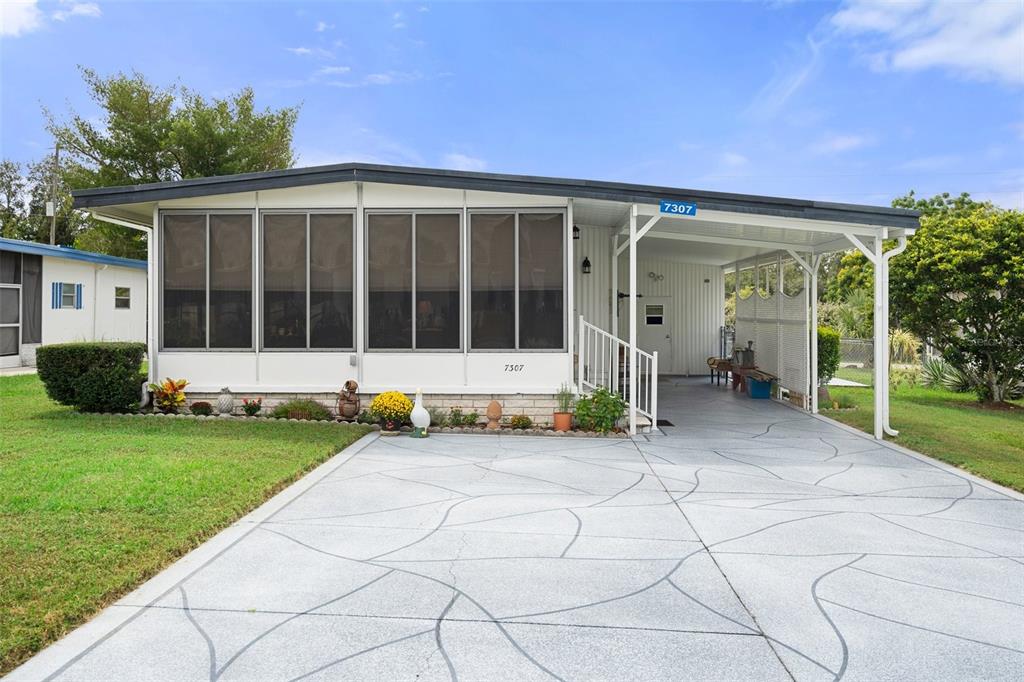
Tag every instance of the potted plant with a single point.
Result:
(392, 408)
(563, 412)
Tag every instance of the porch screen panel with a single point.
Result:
(184, 281)
(32, 299)
(389, 281)
(231, 281)
(330, 280)
(284, 280)
(10, 302)
(493, 281)
(541, 298)
(10, 267)
(437, 281)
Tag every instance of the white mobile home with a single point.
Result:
(55, 294)
(471, 285)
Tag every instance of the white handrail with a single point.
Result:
(602, 363)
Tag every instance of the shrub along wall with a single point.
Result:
(94, 376)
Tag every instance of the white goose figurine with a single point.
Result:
(420, 417)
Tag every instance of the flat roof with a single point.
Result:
(496, 182)
(37, 249)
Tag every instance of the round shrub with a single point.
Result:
(302, 408)
(94, 376)
(520, 421)
(202, 408)
(392, 407)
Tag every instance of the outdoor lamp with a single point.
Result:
(575, 232)
(586, 265)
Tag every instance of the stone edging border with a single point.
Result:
(471, 430)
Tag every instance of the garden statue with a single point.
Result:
(348, 400)
(225, 402)
(420, 417)
(493, 415)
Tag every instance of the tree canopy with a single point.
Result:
(145, 133)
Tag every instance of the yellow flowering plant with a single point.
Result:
(392, 408)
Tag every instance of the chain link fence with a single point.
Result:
(856, 361)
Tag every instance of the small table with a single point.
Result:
(720, 366)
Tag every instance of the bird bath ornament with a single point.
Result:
(420, 417)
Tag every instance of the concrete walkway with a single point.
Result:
(752, 541)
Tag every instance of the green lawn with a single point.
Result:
(91, 506)
(948, 426)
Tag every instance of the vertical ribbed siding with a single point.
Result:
(593, 291)
(697, 311)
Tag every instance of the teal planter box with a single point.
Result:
(760, 389)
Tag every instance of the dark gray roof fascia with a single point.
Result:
(495, 182)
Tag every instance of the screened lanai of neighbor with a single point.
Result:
(479, 286)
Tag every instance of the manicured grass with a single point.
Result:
(948, 426)
(858, 374)
(90, 506)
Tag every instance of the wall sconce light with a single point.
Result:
(575, 232)
(586, 265)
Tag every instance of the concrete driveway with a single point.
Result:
(750, 542)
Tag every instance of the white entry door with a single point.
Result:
(654, 328)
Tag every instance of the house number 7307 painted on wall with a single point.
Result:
(678, 207)
(514, 368)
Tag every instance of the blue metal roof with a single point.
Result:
(35, 248)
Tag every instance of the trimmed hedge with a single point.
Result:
(301, 408)
(828, 354)
(93, 376)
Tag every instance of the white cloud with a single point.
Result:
(839, 143)
(976, 40)
(19, 16)
(383, 78)
(789, 78)
(318, 52)
(456, 161)
(333, 70)
(76, 9)
(733, 160)
(398, 20)
(322, 26)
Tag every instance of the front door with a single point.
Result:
(654, 328)
(10, 325)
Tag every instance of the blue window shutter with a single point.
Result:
(55, 295)
(78, 296)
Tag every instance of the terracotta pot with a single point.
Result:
(563, 421)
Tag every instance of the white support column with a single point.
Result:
(614, 331)
(360, 316)
(814, 333)
(152, 273)
(632, 321)
(881, 354)
(570, 294)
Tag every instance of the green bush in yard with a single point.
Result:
(94, 376)
(828, 354)
(302, 408)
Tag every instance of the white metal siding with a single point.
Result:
(594, 291)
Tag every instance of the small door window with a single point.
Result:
(654, 314)
(122, 297)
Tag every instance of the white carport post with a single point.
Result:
(811, 268)
(632, 320)
(881, 330)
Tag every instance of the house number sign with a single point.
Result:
(678, 207)
(514, 368)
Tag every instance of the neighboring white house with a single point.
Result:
(472, 286)
(55, 294)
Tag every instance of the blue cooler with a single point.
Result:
(759, 389)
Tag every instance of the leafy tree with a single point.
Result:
(149, 133)
(12, 200)
(69, 224)
(960, 284)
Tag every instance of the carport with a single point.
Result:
(771, 243)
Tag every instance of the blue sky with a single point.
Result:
(853, 101)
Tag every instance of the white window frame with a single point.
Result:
(561, 210)
(307, 212)
(207, 212)
(413, 212)
(127, 297)
(64, 294)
